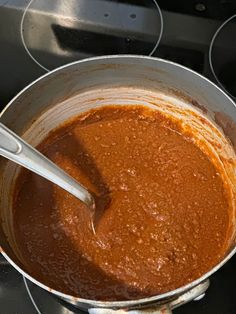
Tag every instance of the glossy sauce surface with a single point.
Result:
(162, 209)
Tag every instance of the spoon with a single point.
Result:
(17, 150)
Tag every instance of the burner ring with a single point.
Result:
(132, 16)
(220, 74)
(30, 295)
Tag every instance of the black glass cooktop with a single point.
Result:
(188, 28)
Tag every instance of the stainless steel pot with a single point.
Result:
(76, 87)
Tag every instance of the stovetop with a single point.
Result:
(188, 29)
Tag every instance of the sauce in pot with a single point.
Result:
(162, 214)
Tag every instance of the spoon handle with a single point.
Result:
(15, 149)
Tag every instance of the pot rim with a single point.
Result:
(119, 304)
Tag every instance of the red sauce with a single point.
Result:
(166, 214)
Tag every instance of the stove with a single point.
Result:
(39, 35)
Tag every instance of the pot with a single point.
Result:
(79, 86)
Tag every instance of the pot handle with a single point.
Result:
(160, 309)
(196, 293)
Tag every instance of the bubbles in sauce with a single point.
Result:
(162, 212)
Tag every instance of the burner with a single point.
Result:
(57, 32)
(222, 56)
(46, 303)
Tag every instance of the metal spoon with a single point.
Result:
(14, 148)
